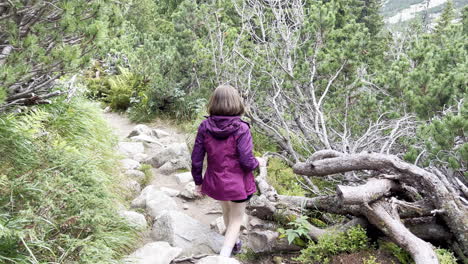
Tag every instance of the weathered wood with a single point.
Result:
(452, 210)
(378, 215)
(373, 190)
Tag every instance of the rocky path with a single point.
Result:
(175, 223)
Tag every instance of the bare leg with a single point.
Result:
(236, 216)
(226, 212)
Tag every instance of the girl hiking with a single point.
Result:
(227, 142)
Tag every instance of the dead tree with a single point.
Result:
(428, 194)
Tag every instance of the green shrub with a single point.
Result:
(299, 233)
(283, 179)
(402, 255)
(445, 256)
(330, 245)
(58, 183)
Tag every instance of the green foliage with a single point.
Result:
(146, 169)
(58, 187)
(120, 91)
(402, 255)
(445, 256)
(61, 38)
(370, 260)
(248, 255)
(299, 233)
(283, 179)
(329, 245)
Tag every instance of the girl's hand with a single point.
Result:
(261, 162)
(198, 190)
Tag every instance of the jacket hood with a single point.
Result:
(223, 126)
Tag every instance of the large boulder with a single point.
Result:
(217, 260)
(158, 202)
(154, 200)
(134, 218)
(131, 148)
(183, 231)
(154, 253)
(174, 152)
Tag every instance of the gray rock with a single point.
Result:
(135, 174)
(141, 130)
(174, 152)
(160, 133)
(169, 191)
(189, 191)
(158, 202)
(174, 165)
(140, 201)
(132, 185)
(130, 164)
(261, 207)
(183, 231)
(131, 148)
(217, 260)
(140, 157)
(184, 177)
(145, 139)
(134, 218)
(268, 241)
(154, 200)
(154, 253)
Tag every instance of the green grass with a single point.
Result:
(58, 187)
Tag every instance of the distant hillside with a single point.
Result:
(396, 11)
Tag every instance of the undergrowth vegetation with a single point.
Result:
(58, 187)
(329, 245)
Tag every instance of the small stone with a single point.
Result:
(130, 164)
(132, 185)
(184, 177)
(154, 253)
(169, 191)
(141, 130)
(186, 207)
(189, 191)
(140, 157)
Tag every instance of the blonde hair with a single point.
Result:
(225, 101)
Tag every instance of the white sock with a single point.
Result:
(225, 252)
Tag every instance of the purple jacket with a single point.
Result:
(228, 144)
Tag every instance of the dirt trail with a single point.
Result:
(205, 210)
